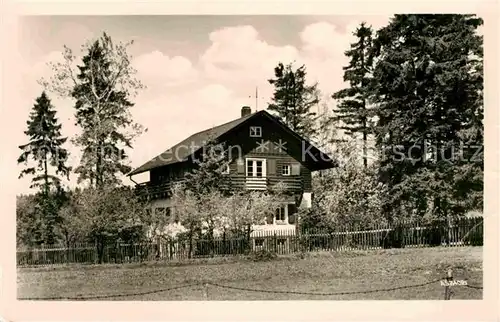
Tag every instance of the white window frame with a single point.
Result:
(285, 216)
(254, 166)
(289, 170)
(255, 131)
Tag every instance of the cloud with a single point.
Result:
(240, 51)
(173, 117)
(241, 60)
(158, 70)
(323, 41)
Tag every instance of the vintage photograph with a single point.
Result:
(242, 158)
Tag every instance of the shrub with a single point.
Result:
(395, 238)
(433, 235)
(263, 255)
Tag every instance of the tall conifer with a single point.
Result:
(45, 149)
(429, 81)
(293, 99)
(352, 109)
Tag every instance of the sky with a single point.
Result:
(198, 70)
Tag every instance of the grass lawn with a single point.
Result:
(322, 272)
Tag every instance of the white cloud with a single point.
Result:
(237, 53)
(322, 41)
(240, 59)
(158, 70)
(171, 118)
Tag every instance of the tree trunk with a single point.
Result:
(365, 150)
(98, 166)
(46, 177)
(249, 231)
(48, 238)
(100, 250)
(211, 242)
(224, 246)
(190, 250)
(66, 237)
(448, 223)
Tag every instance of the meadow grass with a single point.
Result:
(321, 272)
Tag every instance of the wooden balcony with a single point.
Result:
(292, 184)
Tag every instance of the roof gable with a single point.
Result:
(184, 149)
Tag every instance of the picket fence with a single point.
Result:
(462, 232)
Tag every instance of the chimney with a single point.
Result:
(246, 110)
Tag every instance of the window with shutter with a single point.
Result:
(295, 169)
(271, 166)
(240, 166)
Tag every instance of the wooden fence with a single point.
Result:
(462, 232)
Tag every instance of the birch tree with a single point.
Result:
(102, 86)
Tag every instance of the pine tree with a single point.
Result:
(102, 87)
(99, 119)
(293, 99)
(429, 93)
(353, 110)
(45, 149)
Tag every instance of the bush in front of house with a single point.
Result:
(262, 255)
(395, 238)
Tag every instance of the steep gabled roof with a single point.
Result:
(200, 138)
(197, 139)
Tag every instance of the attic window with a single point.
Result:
(255, 131)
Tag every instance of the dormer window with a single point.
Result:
(255, 131)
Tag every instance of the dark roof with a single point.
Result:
(199, 139)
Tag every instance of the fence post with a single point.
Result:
(447, 289)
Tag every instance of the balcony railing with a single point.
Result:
(291, 184)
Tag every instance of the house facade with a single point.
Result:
(262, 152)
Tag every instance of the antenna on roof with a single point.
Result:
(256, 98)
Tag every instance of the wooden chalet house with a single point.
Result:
(267, 152)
